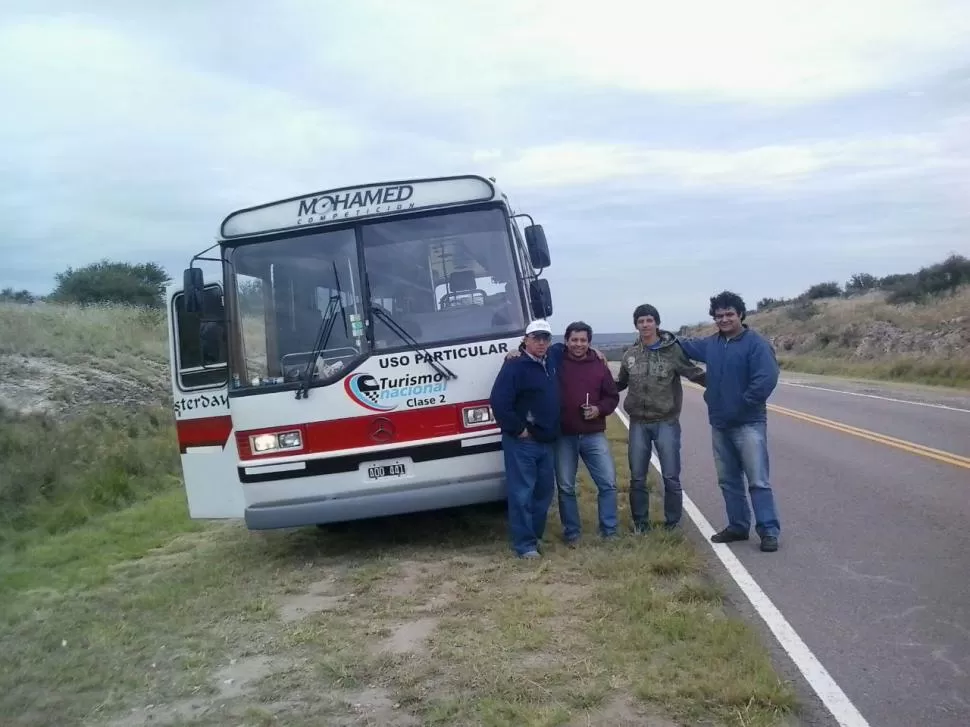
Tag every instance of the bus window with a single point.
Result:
(201, 342)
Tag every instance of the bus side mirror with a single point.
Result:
(541, 298)
(192, 289)
(535, 239)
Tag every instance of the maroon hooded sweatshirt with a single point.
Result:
(578, 378)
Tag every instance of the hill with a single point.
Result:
(910, 327)
(869, 337)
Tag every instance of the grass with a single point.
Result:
(57, 474)
(115, 608)
(932, 371)
(75, 334)
(424, 619)
(866, 337)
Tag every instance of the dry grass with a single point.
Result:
(423, 619)
(842, 313)
(64, 359)
(868, 338)
(74, 334)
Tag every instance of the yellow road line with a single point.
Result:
(902, 444)
(939, 455)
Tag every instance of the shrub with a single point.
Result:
(802, 311)
(769, 303)
(938, 279)
(905, 292)
(9, 295)
(861, 283)
(111, 282)
(823, 290)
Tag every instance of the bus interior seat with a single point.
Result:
(462, 291)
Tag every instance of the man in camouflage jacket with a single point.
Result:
(650, 373)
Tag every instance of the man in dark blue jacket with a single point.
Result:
(742, 372)
(525, 402)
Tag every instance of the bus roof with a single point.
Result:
(374, 200)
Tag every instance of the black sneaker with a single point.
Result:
(769, 544)
(728, 536)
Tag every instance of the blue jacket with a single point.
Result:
(524, 386)
(741, 374)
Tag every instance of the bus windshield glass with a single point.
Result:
(439, 277)
(442, 278)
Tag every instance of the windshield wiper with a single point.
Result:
(335, 305)
(439, 367)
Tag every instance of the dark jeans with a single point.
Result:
(666, 437)
(530, 484)
(739, 453)
(594, 449)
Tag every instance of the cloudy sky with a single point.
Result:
(669, 149)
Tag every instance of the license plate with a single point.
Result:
(385, 470)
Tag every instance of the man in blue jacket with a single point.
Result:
(742, 372)
(525, 403)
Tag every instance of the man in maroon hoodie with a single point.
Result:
(588, 395)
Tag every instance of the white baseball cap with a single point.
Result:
(539, 326)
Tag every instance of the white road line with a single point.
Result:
(811, 668)
(874, 396)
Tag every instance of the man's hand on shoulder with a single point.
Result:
(512, 354)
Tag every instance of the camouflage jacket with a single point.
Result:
(651, 378)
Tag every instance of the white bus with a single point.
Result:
(341, 365)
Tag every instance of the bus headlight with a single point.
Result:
(477, 416)
(262, 443)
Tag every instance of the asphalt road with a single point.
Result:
(873, 571)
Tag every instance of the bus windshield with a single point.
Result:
(439, 277)
(443, 277)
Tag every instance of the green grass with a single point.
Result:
(953, 373)
(56, 474)
(424, 619)
(84, 557)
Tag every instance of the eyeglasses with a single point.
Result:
(540, 336)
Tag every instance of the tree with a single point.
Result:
(860, 283)
(769, 303)
(113, 282)
(934, 280)
(823, 290)
(17, 296)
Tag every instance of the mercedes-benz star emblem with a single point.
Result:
(382, 430)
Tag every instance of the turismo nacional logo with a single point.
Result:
(388, 393)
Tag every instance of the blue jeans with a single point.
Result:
(666, 436)
(595, 451)
(530, 478)
(741, 452)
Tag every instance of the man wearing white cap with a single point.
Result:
(525, 402)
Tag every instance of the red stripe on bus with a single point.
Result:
(350, 433)
(205, 432)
